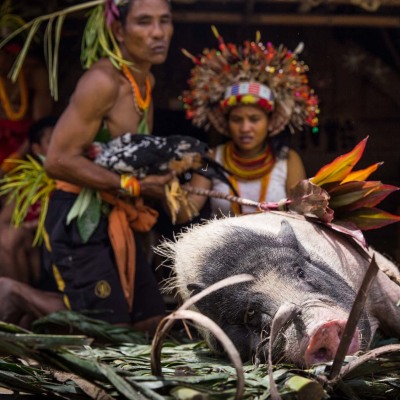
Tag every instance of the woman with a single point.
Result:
(264, 89)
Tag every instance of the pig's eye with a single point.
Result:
(250, 313)
(300, 273)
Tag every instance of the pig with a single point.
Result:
(292, 260)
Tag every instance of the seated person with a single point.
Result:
(251, 103)
(19, 260)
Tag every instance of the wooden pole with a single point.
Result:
(286, 19)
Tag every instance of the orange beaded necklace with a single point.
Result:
(5, 102)
(246, 169)
(141, 104)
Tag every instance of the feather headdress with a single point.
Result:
(253, 74)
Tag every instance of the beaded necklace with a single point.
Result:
(5, 102)
(248, 169)
(141, 104)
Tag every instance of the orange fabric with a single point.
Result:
(123, 219)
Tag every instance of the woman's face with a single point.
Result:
(248, 127)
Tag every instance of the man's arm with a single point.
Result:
(94, 97)
(76, 129)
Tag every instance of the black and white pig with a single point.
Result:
(292, 261)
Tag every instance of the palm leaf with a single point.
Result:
(25, 185)
(188, 367)
(52, 52)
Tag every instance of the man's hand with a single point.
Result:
(153, 185)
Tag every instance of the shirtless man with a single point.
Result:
(87, 272)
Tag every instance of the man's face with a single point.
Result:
(147, 32)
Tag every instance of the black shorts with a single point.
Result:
(87, 274)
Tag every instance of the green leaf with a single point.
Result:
(373, 198)
(143, 128)
(371, 218)
(82, 202)
(351, 192)
(88, 221)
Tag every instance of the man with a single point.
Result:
(86, 269)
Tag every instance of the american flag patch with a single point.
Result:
(254, 88)
(235, 90)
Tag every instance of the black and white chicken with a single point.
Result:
(143, 155)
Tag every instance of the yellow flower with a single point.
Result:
(248, 99)
(232, 101)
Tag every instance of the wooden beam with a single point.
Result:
(210, 17)
(383, 3)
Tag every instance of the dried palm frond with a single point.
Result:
(178, 201)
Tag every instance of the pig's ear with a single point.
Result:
(195, 288)
(288, 238)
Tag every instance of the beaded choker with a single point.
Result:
(5, 102)
(248, 168)
(141, 104)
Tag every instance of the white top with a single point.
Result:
(251, 189)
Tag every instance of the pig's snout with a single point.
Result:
(325, 342)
